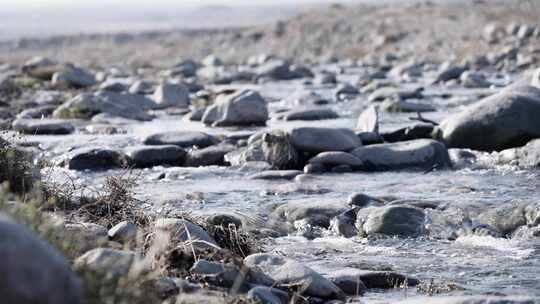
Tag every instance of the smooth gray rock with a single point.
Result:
(276, 175)
(117, 85)
(308, 114)
(504, 120)
(183, 231)
(149, 156)
(268, 295)
(94, 159)
(73, 77)
(184, 139)
(406, 106)
(368, 121)
(87, 105)
(32, 271)
(172, 95)
(348, 280)
(504, 219)
(317, 212)
(39, 112)
(113, 262)
(415, 154)
(316, 140)
(277, 70)
(289, 272)
(448, 71)
(402, 221)
(331, 159)
(43, 126)
(123, 232)
(210, 156)
(238, 109)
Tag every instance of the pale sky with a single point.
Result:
(25, 4)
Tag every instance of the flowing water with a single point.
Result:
(479, 264)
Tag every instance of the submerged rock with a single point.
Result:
(402, 221)
(416, 154)
(505, 120)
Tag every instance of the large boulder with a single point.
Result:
(505, 120)
(285, 271)
(86, 105)
(238, 109)
(415, 154)
(316, 140)
(32, 271)
(400, 220)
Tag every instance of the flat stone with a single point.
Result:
(331, 159)
(421, 154)
(182, 139)
(316, 140)
(276, 175)
(149, 156)
(43, 126)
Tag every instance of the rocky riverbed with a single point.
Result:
(389, 175)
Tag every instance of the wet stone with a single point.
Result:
(149, 156)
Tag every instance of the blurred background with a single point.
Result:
(39, 19)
